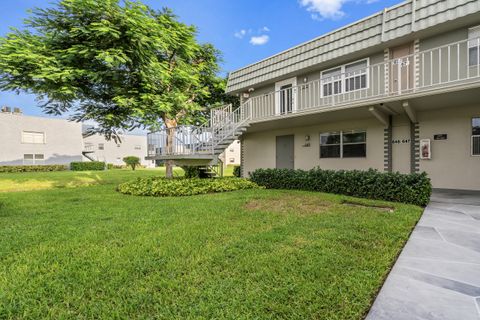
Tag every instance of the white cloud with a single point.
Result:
(259, 40)
(329, 9)
(265, 29)
(240, 34)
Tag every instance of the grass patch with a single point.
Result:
(91, 252)
(13, 182)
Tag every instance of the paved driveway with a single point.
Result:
(437, 275)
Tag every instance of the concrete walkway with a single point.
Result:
(437, 275)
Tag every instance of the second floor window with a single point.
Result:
(343, 144)
(474, 46)
(33, 137)
(101, 146)
(346, 78)
(138, 147)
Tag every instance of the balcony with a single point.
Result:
(450, 67)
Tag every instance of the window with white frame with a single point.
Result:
(32, 159)
(138, 147)
(101, 146)
(345, 78)
(33, 137)
(343, 144)
(474, 46)
(476, 137)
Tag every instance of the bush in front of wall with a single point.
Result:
(33, 168)
(162, 187)
(191, 172)
(132, 161)
(87, 166)
(236, 171)
(407, 188)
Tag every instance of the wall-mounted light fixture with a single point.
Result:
(307, 141)
(245, 95)
(251, 89)
(305, 80)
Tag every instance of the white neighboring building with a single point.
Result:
(27, 140)
(231, 156)
(98, 148)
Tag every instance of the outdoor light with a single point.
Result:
(305, 80)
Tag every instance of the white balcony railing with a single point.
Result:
(424, 72)
(428, 70)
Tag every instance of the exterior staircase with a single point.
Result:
(200, 145)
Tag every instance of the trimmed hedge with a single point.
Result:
(407, 188)
(87, 166)
(161, 187)
(33, 168)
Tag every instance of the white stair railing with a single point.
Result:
(207, 139)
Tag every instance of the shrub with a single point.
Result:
(236, 171)
(132, 161)
(87, 166)
(161, 187)
(407, 188)
(33, 168)
(191, 172)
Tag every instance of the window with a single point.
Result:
(138, 147)
(232, 160)
(101, 146)
(346, 78)
(31, 159)
(344, 144)
(332, 81)
(33, 137)
(330, 145)
(474, 46)
(476, 137)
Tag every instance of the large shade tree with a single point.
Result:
(121, 64)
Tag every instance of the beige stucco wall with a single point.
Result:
(231, 155)
(452, 165)
(259, 147)
(63, 139)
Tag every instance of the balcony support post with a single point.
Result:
(411, 113)
(382, 117)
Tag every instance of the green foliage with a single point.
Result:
(132, 161)
(407, 188)
(33, 168)
(236, 171)
(161, 187)
(150, 65)
(87, 166)
(191, 172)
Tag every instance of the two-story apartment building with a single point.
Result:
(29, 140)
(396, 91)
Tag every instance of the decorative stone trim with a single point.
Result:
(414, 147)
(387, 146)
(416, 50)
(242, 158)
(386, 58)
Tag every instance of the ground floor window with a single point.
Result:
(476, 136)
(343, 144)
(32, 159)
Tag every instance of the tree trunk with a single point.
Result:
(170, 124)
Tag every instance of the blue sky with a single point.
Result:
(244, 31)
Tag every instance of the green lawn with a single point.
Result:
(10, 182)
(90, 252)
